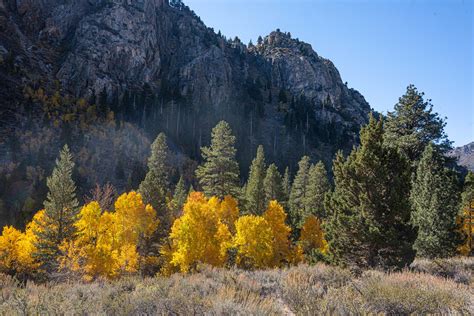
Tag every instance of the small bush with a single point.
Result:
(303, 290)
(303, 287)
(460, 269)
(400, 294)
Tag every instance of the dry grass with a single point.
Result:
(460, 269)
(400, 294)
(302, 290)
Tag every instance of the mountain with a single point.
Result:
(105, 76)
(464, 155)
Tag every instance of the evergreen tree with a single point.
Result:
(255, 191)
(413, 125)
(154, 188)
(219, 174)
(435, 201)
(61, 207)
(298, 195)
(368, 223)
(179, 197)
(286, 185)
(318, 186)
(273, 185)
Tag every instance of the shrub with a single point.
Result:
(460, 269)
(303, 287)
(400, 294)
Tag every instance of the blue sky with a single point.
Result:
(379, 46)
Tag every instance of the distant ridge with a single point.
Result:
(464, 155)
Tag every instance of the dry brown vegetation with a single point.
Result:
(428, 288)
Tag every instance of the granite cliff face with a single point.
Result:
(159, 68)
(464, 156)
(119, 45)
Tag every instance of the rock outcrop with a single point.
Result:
(464, 156)
(160, 68)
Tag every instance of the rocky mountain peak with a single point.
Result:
(464, 155)
(157, 66)
(278, 40)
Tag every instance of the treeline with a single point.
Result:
(394, 197)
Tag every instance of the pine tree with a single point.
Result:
(413, 125)
(255, 191)
(435, 201)
(298, 194)
(61, 207)
(219, 174)
(179, 197)
(273, 185)
(318, 186)
(154, 188)
(368, 223)
(286, 186)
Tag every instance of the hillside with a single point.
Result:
(106, 76)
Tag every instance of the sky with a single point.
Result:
(378, 46)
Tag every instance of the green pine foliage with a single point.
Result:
(255, 191)
(368, 223)
(318, 186)
(179, 197)
(219, 174)
(413, 125)
(154, 188)
(273, 185)
(61, 207)
(286, 185)
(298, 194)
(435, 199)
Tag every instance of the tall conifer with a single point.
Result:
(298, 195)
(318, 186)
(368, 223)
(273, 185)
(255, 191)
(61, 207)
(219, 174)
(435, 201)
(155, 187)
(413, 125)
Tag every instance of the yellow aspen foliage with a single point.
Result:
(106, 244)
(276, 218)
(312, 236)
(134, 219)
(254, 242)
(27, 244)
(26, 247)
(82, 254)
(17, 248)
(166, 256)
(199, 235)
(128, 259)
(92, 251)
(296, 255)
(9, 262)
(466, 224)
(88, 222)
(229, 212)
